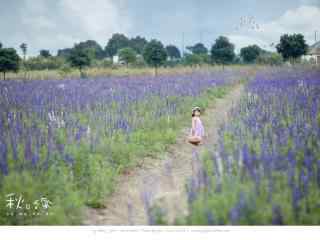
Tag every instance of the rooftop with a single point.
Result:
(315, 48)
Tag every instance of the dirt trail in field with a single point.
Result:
(163, 179)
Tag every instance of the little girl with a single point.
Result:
(197, 130)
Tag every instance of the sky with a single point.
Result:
(52, 25)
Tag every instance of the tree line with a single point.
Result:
(138, 51)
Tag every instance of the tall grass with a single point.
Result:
(93, 72)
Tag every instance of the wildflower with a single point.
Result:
(277, 218)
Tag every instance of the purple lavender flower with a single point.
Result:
(296, 196)
(304, 180)
(3, 158)
(234, 215)
(277, 218)
(27, 148)
(191, 190)
(318, 173)
(210, 218)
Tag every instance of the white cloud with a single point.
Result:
(304, 19)
(71, 21)
(98, 18)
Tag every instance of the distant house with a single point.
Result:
(115, 59)
(313, 54)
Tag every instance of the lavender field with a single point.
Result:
(68, 140)
(160, 118)
(265, 170)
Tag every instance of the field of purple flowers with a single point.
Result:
(266, 168)
(68, 140)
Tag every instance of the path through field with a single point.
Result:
(161, 180)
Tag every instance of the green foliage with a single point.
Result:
(140, 63)
(56, 185)
(44, 63)
(138, 43)
(237, 59)
(64, 53)
(222, 52)
(9, 61)
(45, 53)
(89, 47)
(292, 46)
(24, 49)
(192, 59)
(64, 70)
(205, 58)
(250, 53)
(92, 174)
(128, 55)
(173, 52)
(115, 43)
(239, 198)
(273, 59)
(92, 48)
(154, 53)
(105, 63)
(198, 48)
(195, 59)
(213, 208)
(79, 58)
(158, 215)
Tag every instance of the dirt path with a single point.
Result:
(163, 179)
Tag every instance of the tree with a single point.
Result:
(222, 51)
(93, 49)
(155, 54)
(250, 53)
(45, 53)
(24, 49)
(9, 61)
(0, 45)
(64, 53)
(128, 55)
(173, 52)
(192, 59)
(138, 43)
(292, 46)
(116, 42)
(198, 48)
(270, 58)
(79, 58)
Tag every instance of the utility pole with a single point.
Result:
(315, 35)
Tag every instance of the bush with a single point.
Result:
(44, 63)
(273, 59)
